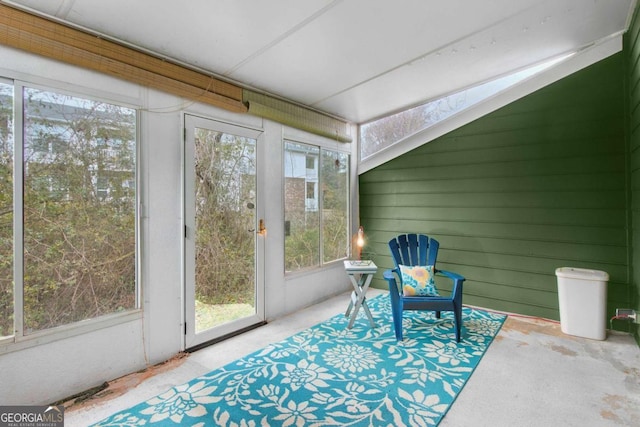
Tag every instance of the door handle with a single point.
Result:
(262, 230)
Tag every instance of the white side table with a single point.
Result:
(360, 273)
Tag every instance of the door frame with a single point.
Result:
(191, 338)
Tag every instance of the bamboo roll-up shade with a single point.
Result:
(296, 116)
(41, 36)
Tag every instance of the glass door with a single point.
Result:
(223, 230)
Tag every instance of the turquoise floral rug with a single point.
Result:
(329, 375)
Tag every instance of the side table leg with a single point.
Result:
(346, 314)
(355, 299)
(356, 302)
(365, 306)
(358, 299)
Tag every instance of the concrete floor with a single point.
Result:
(532, 375)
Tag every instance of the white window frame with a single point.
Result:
(19, 341)
(302, 137)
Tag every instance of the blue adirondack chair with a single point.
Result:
(420, 250)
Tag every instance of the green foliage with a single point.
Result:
(302, 249)
(79, 263)
(225, 219)
(79, 212)
(335, 215)
(309, 229)
(335, 235)
(6, 210)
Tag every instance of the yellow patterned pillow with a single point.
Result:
(418, 281)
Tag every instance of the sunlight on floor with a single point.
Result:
(210, 315)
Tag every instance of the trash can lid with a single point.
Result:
(582, 273)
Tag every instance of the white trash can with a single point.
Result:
(582, 294)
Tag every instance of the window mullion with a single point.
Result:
(320, 207)
(18, 211)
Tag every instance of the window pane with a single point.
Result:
(302, 240)
(225, 198)
(6, 210)
(380, 134)
(335, 212)
(79, 209)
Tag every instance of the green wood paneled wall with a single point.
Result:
(536, 185)
(632, 66)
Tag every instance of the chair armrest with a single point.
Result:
(456, 291)
(388, 274)
(451, 275)
(391, 280)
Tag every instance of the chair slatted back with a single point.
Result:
(414, 249)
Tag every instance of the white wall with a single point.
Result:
(40, 371)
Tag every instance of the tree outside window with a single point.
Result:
(78, 242)
(6, 210)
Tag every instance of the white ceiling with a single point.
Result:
(357, 59)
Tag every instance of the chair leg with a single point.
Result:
(396, 308)
(396, 311)
(458, 322)
(397, 324)
(437, 315)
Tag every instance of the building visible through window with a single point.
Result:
(316, 205)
